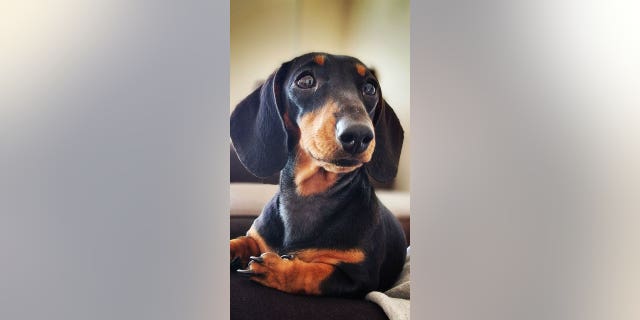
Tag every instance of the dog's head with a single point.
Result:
(329, 107)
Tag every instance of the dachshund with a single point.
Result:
(320, 120)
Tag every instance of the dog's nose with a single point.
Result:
(354, 137)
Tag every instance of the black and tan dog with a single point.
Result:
(321, 121)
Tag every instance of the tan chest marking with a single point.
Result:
(310, 178)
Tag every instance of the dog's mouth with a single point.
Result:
(337, 165)
(346, 162)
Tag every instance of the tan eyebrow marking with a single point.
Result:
(319, 59)
(361, 69)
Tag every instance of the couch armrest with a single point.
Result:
(250, 198)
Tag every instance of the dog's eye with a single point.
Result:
(369, 89)
(306, 81)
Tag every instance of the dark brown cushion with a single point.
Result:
(253, 301)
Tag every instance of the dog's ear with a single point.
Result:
(257, 130)
(383, 166)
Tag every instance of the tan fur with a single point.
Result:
(330, 256)
(310, 178)
(243, 248)
(319, 59)
(317, 132)
(259, 240)
(250, 245)
(318, 145)
(305, 272)
(361, 69)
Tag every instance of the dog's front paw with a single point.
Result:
(288, 273)
(270, 269)
(241, 249)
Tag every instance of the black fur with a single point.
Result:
(389, 136)
(257, 129)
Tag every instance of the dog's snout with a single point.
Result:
(354, 136)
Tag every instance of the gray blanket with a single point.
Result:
(396, 301)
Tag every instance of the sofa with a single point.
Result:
(253, 301)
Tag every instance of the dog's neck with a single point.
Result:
(307, 178)
(310, 196)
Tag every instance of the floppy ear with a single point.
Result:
(383, 166)
(257, 129)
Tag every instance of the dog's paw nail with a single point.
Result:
(287, 256)
(257, 259)
(245, 272)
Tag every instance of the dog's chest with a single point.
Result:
(305, 220)
(315, 223)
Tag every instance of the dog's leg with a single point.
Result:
(302, 273)
(242, 248)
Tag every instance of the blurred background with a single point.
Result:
(107, 159)
(264, 34)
